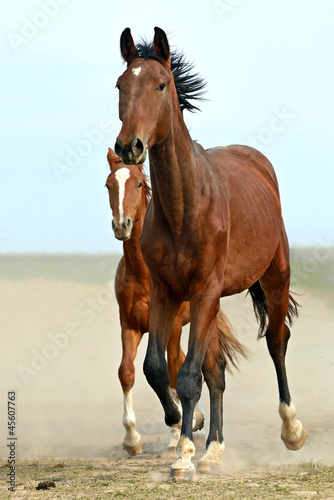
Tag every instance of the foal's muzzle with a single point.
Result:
(122, 229)
(132, 154)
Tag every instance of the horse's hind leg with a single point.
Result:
(130, 340)
(275, 284)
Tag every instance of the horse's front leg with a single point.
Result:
(175, 359)
(214, 374)
(163, 312)
(132, 442)
(203, 323)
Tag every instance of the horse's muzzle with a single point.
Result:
(132, 154)
(122, 229)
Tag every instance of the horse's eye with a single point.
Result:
(106, 185)
(161, 86)
(140, 185)
(117, 86)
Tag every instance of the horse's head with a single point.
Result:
(146, 94)
(125, 186)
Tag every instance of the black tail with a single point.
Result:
(261, 308)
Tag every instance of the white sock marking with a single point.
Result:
(121, 175)
(132, 438)
(136, 71)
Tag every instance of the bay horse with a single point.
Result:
(213, 228)
(129, 195)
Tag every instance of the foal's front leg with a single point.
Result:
(175, 359)
(132, 442)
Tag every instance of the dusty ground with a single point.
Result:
(69, 402)
(145, 478)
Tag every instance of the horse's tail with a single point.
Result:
(261, 308)
(230, 347)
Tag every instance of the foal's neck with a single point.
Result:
(133, 257)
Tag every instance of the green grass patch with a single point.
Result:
(88, 269)
(311, 268)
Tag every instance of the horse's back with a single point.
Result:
(246, 159)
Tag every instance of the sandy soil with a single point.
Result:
(69, 401)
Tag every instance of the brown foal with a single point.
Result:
(213, 228)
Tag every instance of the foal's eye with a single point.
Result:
(117, 86)
(106, 185)
(140, 185)
(161, 86)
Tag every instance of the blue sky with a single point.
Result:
(269, 68)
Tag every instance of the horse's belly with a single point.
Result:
(252, 247)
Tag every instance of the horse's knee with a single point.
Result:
(189, 383)
(155, 370)
(126, 375)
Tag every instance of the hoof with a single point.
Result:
(183, 468)
(209, 467)
(187, 474)
(211, 463)
(295, 445)
(134, 450)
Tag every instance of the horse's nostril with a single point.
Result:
(113, 225)
(119, 146)
(137, 147)
(127, 222)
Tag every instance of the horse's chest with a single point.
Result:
(170, 263)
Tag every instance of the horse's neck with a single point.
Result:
(173, 176)
(133, 257)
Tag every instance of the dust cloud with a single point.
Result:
(61, 350)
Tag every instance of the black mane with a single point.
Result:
(189, 86)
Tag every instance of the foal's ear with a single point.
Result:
(128, 48)
(112, 158)
(161, 45)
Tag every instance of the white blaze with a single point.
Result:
(136, 71)
(121, 175)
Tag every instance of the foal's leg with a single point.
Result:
(175, 355)
(189, 384)
(130, 340)
(275, 283)
(175, 359)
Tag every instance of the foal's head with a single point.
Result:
(128, 193)
(155, 85)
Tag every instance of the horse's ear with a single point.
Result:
(161, 45)
(112, 158)
(128, 48)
